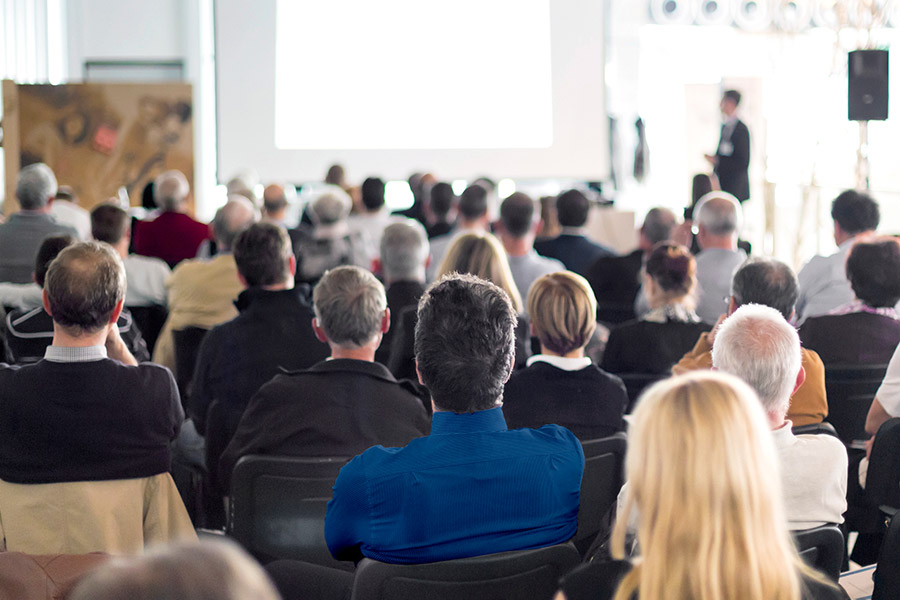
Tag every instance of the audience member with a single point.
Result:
(65, 210)
(560, 385)
(654, 343)
(219, 570)
(202, 292)
(616, 280)
(172, 236)
(571, 246)
(771, 283)
(339, 406)
(330, 243)
(865, 331)
(473, 218)
(823, 280)
(718, 217)
(403, 257)
(374, 217)
(30, 331)
(441, 210)
(759, 346)
(517, 229)
(701, 469)
(886, 403)
(273, 332)
(419, 185)
(146, 276)
(275, 204)
(23, 232)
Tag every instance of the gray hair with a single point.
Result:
(766, 281)
(756, 344)
(35, 187)
(330, 207)
(349, 303)
(404, 250)
(658, 225)
(170, 189)
(719, 213)
(236, 215)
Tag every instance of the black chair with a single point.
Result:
(850, 390)
(887, 573)
(187, 346)
(520, 575)
(278, 507)
(600, 485)
(150, 320)
(822, 548)
(883, 475)
(635, 383)
(823, 428)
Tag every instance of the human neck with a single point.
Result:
(472, 224)
(576, 353)
(722, 242)
(44, 210)
(65, 339)
(287, 284)
(366, 353)
(516, 246)
(776, 420)
(417, 277)
(121, 247)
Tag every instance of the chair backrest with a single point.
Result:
(600, 485)
(822, 428)
(850, 390)
(278, 507)
(187, 346)
(520, 575)
(635, 383)
(150, 320)
(822, 548)
(883, 476)
(887, 573)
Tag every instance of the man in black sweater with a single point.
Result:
(88, 411)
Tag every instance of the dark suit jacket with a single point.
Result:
(576, 252)
(337, 407)
(616, 282)
(732, 169)
(646, 347)
(400, 295)
(854, 338)
(588, 402)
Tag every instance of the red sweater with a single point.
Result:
(172, 236)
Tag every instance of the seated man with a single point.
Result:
(30, 331)
(340, 406)
(771, 283)
(572, 246)
(756, 344)
(718, 216)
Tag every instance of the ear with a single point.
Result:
(116, 311)
(531, 329)
(428, 261)
(320, 333)
(292, 265)
(732, 306)
(419, 373)
(386, 321)
(46, 302)
(801, 377)
(243, 280)
(376, 266)
(538, 227)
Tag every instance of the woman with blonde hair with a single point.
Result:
(703, 475)
(560, 385)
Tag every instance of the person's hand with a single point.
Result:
(710, 158)
(711, 336)
(869, 443)
(116, 348)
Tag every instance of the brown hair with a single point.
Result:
(673, 269)
(563, 311)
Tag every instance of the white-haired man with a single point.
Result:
(21, 236)
(758, 345)
(718, 216)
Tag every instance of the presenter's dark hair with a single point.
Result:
(109, 223)
(262, 253)
(465, 342)
(733, 95)
(83, 285)
(873, 269)
(473, 202)
(373, 193)
(572, 209)
(855, 212)
(768, 282)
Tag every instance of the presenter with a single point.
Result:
(732, 157)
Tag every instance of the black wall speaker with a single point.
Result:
(867, 98)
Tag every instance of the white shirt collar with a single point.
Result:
(66, 354)
(560, 362)
(784, 436)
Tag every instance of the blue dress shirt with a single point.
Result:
(470, 488)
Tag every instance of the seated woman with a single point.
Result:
(479, 254)
(658, 340)
(703, 475)
(867, 330)
(560, 385)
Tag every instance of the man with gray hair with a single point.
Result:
(330, 242)
(718, 216)
(340, 406)
(22, 234)
(756, 344)
(202, 291)
(403, 257)
(172, 236)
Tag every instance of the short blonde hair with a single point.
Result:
(481, 254)
(563, 311)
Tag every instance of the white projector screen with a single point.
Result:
(503, 88)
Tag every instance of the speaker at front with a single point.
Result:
(867, 85)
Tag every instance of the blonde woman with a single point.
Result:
(658, 340)
(703, 474)
(560, 385)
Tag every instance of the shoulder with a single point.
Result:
(146, 263)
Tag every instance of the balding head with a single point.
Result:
(236, 215)
(766, 281)
(274, 200)
(756, 344)
(170, 190)
(35, 187)
(718, 216)
(657, 227)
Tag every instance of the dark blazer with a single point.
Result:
(400, 295)
(646, 347)
(854, 338)
(576, 252)
(616, 282)
(337, 407)
(589, 402)
(731, 169)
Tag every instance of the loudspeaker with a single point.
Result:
(867, 97)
